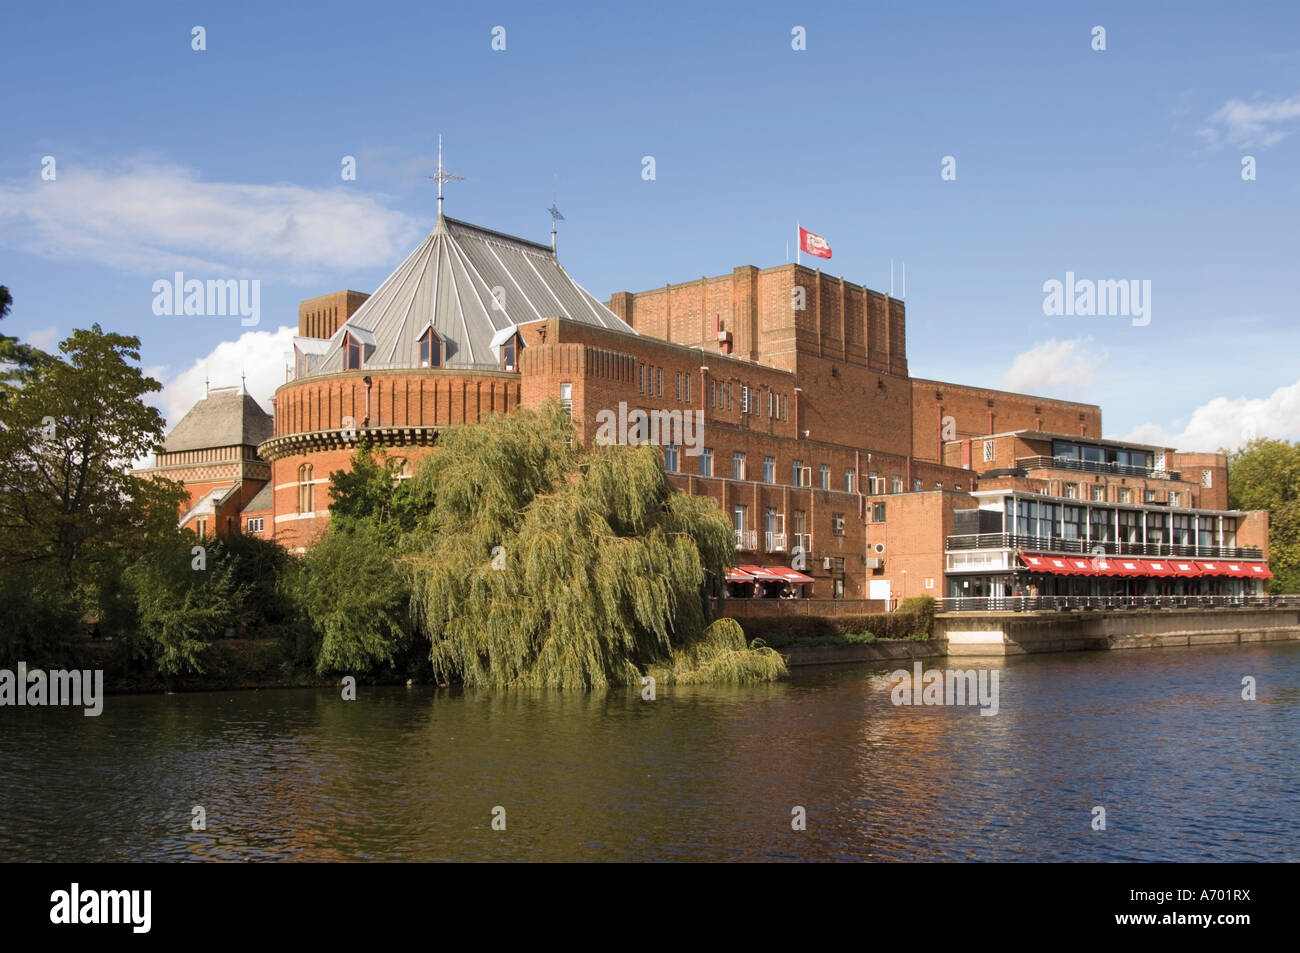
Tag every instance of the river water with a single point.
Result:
(1161, 739)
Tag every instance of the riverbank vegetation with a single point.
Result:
(1265, 475)
(512, 558)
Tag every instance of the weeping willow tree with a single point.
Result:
(538, 564)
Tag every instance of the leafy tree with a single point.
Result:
(536, 564)
(357, 597)
(181, 607)
(69, 508)
(1265, 475)
(16, 359)
(369, 491)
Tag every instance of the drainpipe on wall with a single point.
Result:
(366, 421)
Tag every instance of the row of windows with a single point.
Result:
(751, 400)
(1097, 493)
(1102, 525)
(431, 352)
(774, 526)
(800, 475)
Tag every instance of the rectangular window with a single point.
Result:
(688, 388)
(566, 398)
(738, 518)
(1148, 496)
(771, 404)
(1173, 497)
(744, 398)
(679, 385)
(641, 378)
(898, 484)
(1207, 478)
(795, 469)
(988, 451)
(825, 476)
(878, 512)
(1125, 495)
(728, 397)
(1102, 526)
(670, 457)
(801, 537)
(706, 462)
(938, 486)
(769, 469)
(255, 524)
(916, 485)
(1099, 492)
(738, 466)
(848, 480)
(659, 381)
(837, 524)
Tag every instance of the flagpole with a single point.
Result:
(798, 246)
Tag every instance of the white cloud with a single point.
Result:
(259, 355)
(1251, 124)
(47, 339)
(154, 219)
(1229, 423)
(1062, 369)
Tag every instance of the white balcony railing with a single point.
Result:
(747, 539)
(775, 542)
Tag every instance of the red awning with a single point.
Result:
(758, 572)
(1058, 565)
(789, 575)
(735, 575)
(1236, 570)
(1184, 567)
(1159, 567)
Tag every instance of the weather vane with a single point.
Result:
(555, 217)
(442, 175)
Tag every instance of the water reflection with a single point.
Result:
(1185, 769)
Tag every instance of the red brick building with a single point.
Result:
(787, 398)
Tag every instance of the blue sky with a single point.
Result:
(1117, 164)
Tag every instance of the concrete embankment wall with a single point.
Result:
(1017, 633)
(872, 652)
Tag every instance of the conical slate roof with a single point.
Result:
(473, 285)
(227, 417)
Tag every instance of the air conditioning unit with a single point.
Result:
(880, 549)
(826, 563)
(875, 562)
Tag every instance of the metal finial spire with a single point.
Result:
(555, 217)
(442, 175)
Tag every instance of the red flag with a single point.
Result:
(813, 244)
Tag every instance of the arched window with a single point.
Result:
(351, 353)
(510, 352)
(305, 489)
(430, 349)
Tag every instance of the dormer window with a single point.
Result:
(510, 352)
(351, 353)
(430, 349)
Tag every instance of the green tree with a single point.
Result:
(1265, 475)
(16, 359)
(69, 508)
(537, 564)
(182, 602)
(357, 598)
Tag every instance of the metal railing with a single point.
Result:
(747, 539)
(1060, 544)
(1093, 603)
(1095, 466)
(774, 542)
